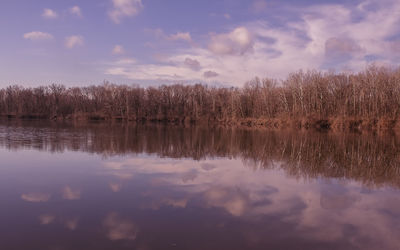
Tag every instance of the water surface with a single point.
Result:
(115, 186)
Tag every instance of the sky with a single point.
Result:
(215, 42)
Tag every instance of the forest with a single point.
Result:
(324, 100)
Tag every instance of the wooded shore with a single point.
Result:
(366, 100)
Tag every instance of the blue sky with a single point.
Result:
(224, 42)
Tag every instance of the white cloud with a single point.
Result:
(184, 36)
(236, 57)
(118, 50)
(49, 14)
(124, 8)
(324, 22)
(238, 41)
(324, 36)
(76, 10)
(38, 36)
(178, 36)
(126, 61)
(153, 72)
(74, 41)
(171, 69)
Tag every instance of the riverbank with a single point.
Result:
(307, 123)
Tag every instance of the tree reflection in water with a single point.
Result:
(369, 158)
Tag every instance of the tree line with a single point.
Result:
(312, 96)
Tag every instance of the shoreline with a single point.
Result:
(338, 124)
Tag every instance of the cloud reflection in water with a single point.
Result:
(119, 228)
(321, 209)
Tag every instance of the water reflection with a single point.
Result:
(115, 187)
(71, 224)
(46, 219)
(35, 197)
(118, 228)
(192, 188)
(71, 194)
(371, 159)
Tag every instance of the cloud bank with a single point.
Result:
(321, 36)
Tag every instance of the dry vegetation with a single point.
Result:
(366, 100)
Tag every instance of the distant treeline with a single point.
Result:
(369, 99)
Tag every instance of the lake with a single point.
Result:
(118, 186)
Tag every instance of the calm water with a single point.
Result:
(102, 186)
